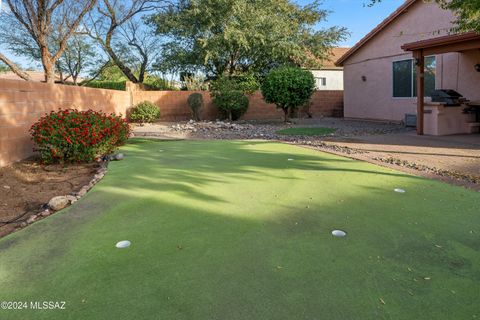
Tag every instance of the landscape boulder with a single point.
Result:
(58, 203)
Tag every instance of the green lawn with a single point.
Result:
(233, 230)
(319, 131)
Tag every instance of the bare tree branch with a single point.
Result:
(19, 72)
(41, 19)
(110, 18)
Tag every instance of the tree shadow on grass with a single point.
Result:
(185, 167)
(206, 263)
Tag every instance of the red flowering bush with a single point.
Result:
(78, 136)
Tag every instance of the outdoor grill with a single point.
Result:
(448, 97)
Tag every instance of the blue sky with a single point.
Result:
(352, 14)
(356, 16)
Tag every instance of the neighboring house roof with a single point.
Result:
(334, 54)
(402, 9)
(36, 76)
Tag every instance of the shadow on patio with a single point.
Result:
(459, 153)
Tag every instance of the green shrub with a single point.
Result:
(113, 85)
(288, 88)
(247, 83)
(232, 104)
(228, 96)
(78, 136)
(156, 83)
(195, 102)
(145, 112)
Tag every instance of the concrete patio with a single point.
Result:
(458, 153)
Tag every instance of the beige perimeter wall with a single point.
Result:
(174, 107)
(22, 103)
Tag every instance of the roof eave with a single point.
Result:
(441, 41)
(404, 7)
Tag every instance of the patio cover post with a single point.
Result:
(444, 44)
(420, 83)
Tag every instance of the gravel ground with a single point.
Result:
(262, 130)
(445, 158)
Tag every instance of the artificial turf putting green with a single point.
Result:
(308, 131)
(232, 230)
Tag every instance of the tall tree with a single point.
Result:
(78, 57)
(39, 19)
(116, 25)
(232, 36)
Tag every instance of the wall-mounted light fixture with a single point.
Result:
(477, 67)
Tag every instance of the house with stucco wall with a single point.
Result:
(330, 76)
(380, 71)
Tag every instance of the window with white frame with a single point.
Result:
(320, 82)
(404, 75)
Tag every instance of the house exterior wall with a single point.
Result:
(372, 97)
(460, 73)
(334, 79)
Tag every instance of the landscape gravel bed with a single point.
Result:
(262, 129)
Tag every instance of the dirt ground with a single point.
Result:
(26, 186)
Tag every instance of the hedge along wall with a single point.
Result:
(22, 103)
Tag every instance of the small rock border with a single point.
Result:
(440, 172)
(336, 149)
(58, 203)
(322, 146)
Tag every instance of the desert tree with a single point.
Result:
(36, 21)
(79, 57)
(226, 37)
(118, 27)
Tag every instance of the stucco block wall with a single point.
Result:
(174, 106)
(373, 98)
(22, 103)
